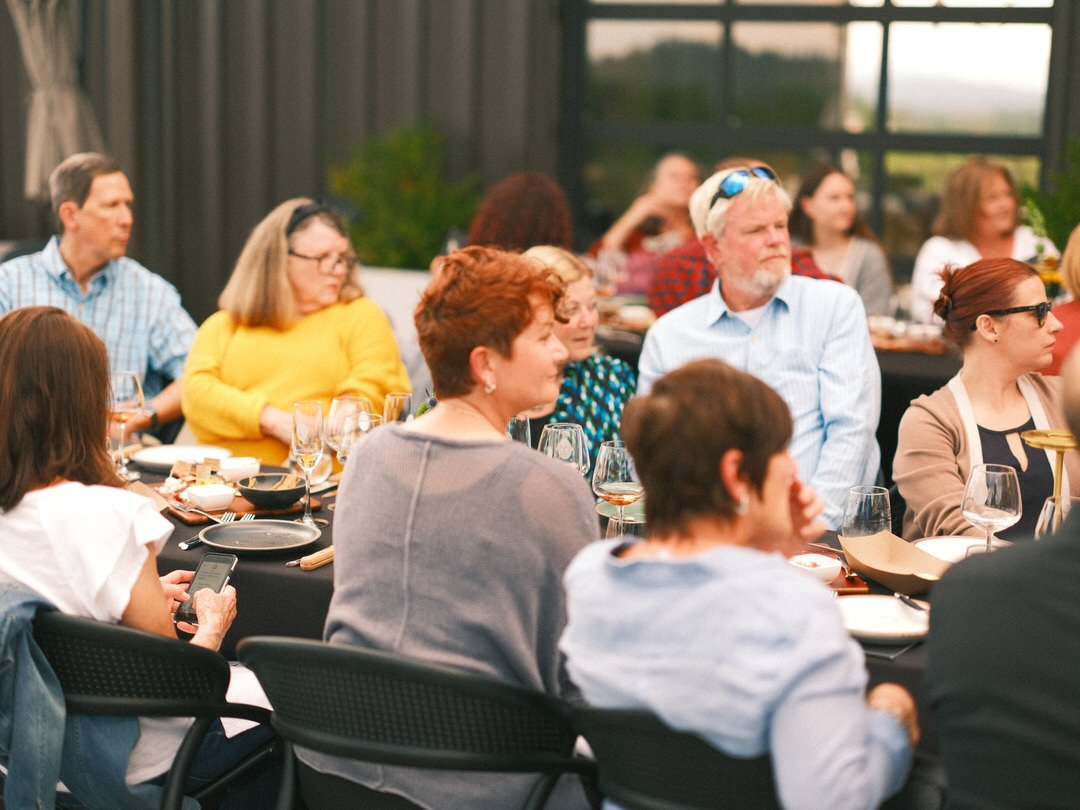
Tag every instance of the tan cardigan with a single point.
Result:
(932, 460)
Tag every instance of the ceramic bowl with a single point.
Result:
(233, 469)
(817, 565)
(269, 491)
(210, 497)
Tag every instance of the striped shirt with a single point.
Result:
(136, 313)
(811, 345)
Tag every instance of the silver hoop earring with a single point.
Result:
(743, 505)
(489, 388)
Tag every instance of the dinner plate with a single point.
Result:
(884, 619)
(259, 535)
(954, 547)
(160, 458)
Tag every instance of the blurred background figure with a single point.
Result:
(293, 325)
(979, 218)
(520, 211)
(706, 624)
(594, 386)
(450, 539)
(826, 220)
(996, 313)
(1068, 313)
(655, 223)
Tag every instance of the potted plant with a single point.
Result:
(1054, 212)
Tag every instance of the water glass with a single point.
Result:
(1054, 512)
(991, 501)
(397, 407)
(565, 442)
(866, 512)
(518, 429)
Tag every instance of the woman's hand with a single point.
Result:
(175, 586)
(216, 612)
(806, 506)
(276, 423)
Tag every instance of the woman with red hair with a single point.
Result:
(996, 313)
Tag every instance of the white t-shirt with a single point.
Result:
(82, 548)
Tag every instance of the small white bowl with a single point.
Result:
(210, 496)
(233, 469)
(816, 565)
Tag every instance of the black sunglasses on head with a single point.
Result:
(304, 212)
(1041, 310)
(736, 181)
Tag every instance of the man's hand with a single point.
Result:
(806, 507)
(897, 701)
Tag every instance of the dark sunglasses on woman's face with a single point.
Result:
(1041, 310)
(736, 181)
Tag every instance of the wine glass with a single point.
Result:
(341, 408)
(866, 512)
(307, 446)
(518, 429)
(1053, 513)
(991, 501)
(614, 478)
(566, 442)
(397, 407)
(127, 402)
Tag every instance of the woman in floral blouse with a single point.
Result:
(595, 387)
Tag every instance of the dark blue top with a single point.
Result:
(1036, 482)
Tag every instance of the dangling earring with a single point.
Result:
(743, 505)
(489, 388)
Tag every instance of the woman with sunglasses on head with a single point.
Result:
(996, 313)
(293, 325)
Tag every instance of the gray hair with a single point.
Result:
(712, 219)
(71, 180)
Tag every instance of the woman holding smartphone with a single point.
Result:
(73, 535)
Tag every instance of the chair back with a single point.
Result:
(385, 708)
(642, 764)
(897, 508)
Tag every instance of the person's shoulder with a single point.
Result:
(682, 313)
(818, 292)
(937, 404)
(606, 365)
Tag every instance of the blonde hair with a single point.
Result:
(562, 263)
(258, 292)
(1070, 263)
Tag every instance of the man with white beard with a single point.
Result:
(806, 338)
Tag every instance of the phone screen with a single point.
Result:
(213, 572)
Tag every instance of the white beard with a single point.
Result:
(761, 283)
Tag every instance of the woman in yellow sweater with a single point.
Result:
(293, 325)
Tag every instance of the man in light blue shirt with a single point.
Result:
(806, 338)
(137, 314)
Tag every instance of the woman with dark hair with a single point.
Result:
(996, 314)
(450, 540)
(520, 211)
(826, 220)
(979, 218)
(293, 325)
(707, 625)
(71, 533)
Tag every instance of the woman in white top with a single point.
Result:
(70, 532)
(979, 218)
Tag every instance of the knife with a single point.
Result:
(907, 600)
(313, 561)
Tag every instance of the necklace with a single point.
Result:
(466, 411)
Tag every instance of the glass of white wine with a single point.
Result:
(127, 402)
(307, 446)
(991, 501)
(614, 478)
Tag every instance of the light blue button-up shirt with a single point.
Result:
(136, 313)
(811, 345)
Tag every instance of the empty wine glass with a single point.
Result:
(127, 402)
(991, 501)
(518, 429)
(356, 428)
(1053, 513)
(866, 512)
(565, 442)
(341, 408)
(397, 407)
(614, 478)
(307, 446)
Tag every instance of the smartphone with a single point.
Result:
(213, 572)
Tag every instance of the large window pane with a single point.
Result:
(978, 79)
(667, 71)
(978, 3)
(806, 74)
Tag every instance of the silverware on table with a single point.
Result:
(196, 540)
(907, 600)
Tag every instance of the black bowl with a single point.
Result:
(265, 491)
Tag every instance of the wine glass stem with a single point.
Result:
(619, 517)
(307, 498)
(121, 460)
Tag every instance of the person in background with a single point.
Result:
(996, 313)
(293, 325)
(450, 540)
(520, 211)
(686, 273)
(807, 339)
(656, 222)
(73, 535)
(826, 220)
(1000, 659)
(84, 271)
(594, 387)
(707, 625)
(1068, 313)
(979, 218)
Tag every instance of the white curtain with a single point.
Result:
(60, 120)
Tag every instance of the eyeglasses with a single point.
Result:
(736, 181)
(330, 263)
(1041, 310)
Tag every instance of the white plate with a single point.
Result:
(953, 548)
(883, 618)
(161, 458)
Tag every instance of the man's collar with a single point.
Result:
(718, 307)
(58, 269)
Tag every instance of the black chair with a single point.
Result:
(106, 669)
(644, 765)
(384, 708)
(897, 507)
